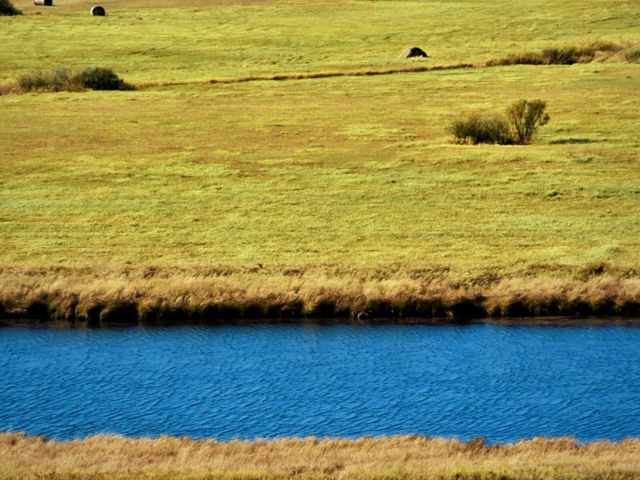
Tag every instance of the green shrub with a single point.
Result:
(479, 127)
(99, 78)
(7, 8)
(525, 118)
(519, 125)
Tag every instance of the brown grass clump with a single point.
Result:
(399, 457)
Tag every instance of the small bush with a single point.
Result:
(61, 79)
(99, 78)
(56, 80)
(518, 125)
(479, 127)
(7, 8)
(525, 119)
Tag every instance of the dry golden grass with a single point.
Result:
(398, 457)
(169, 295)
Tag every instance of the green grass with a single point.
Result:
(174, 40)
(325, 170)
(355, 175)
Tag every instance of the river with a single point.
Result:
(502, 382)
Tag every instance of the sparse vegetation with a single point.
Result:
(59, 79)
(519, 126)
(7, 8)
(400, 457)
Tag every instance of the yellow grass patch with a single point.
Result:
(400, 457)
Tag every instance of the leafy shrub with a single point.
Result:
(479, 127)
(7, 8)
(61, 79)
(518, 125)
(99, 78)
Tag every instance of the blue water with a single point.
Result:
(503, 383)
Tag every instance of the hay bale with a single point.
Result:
(97, 11)
(46, 3)
(414, 52)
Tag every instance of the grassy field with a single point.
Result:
(402, 457)
(187, 200)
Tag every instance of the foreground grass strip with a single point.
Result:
(399, 457)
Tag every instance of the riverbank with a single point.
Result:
(400, 457)
(88, 297)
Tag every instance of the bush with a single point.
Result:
(99, 78)
(7, 8)
(481, 128)
(518, 125)
(525, 119)
(57, 80)
(61, 79)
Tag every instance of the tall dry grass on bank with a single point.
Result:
(401, 457)
(158, 296)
